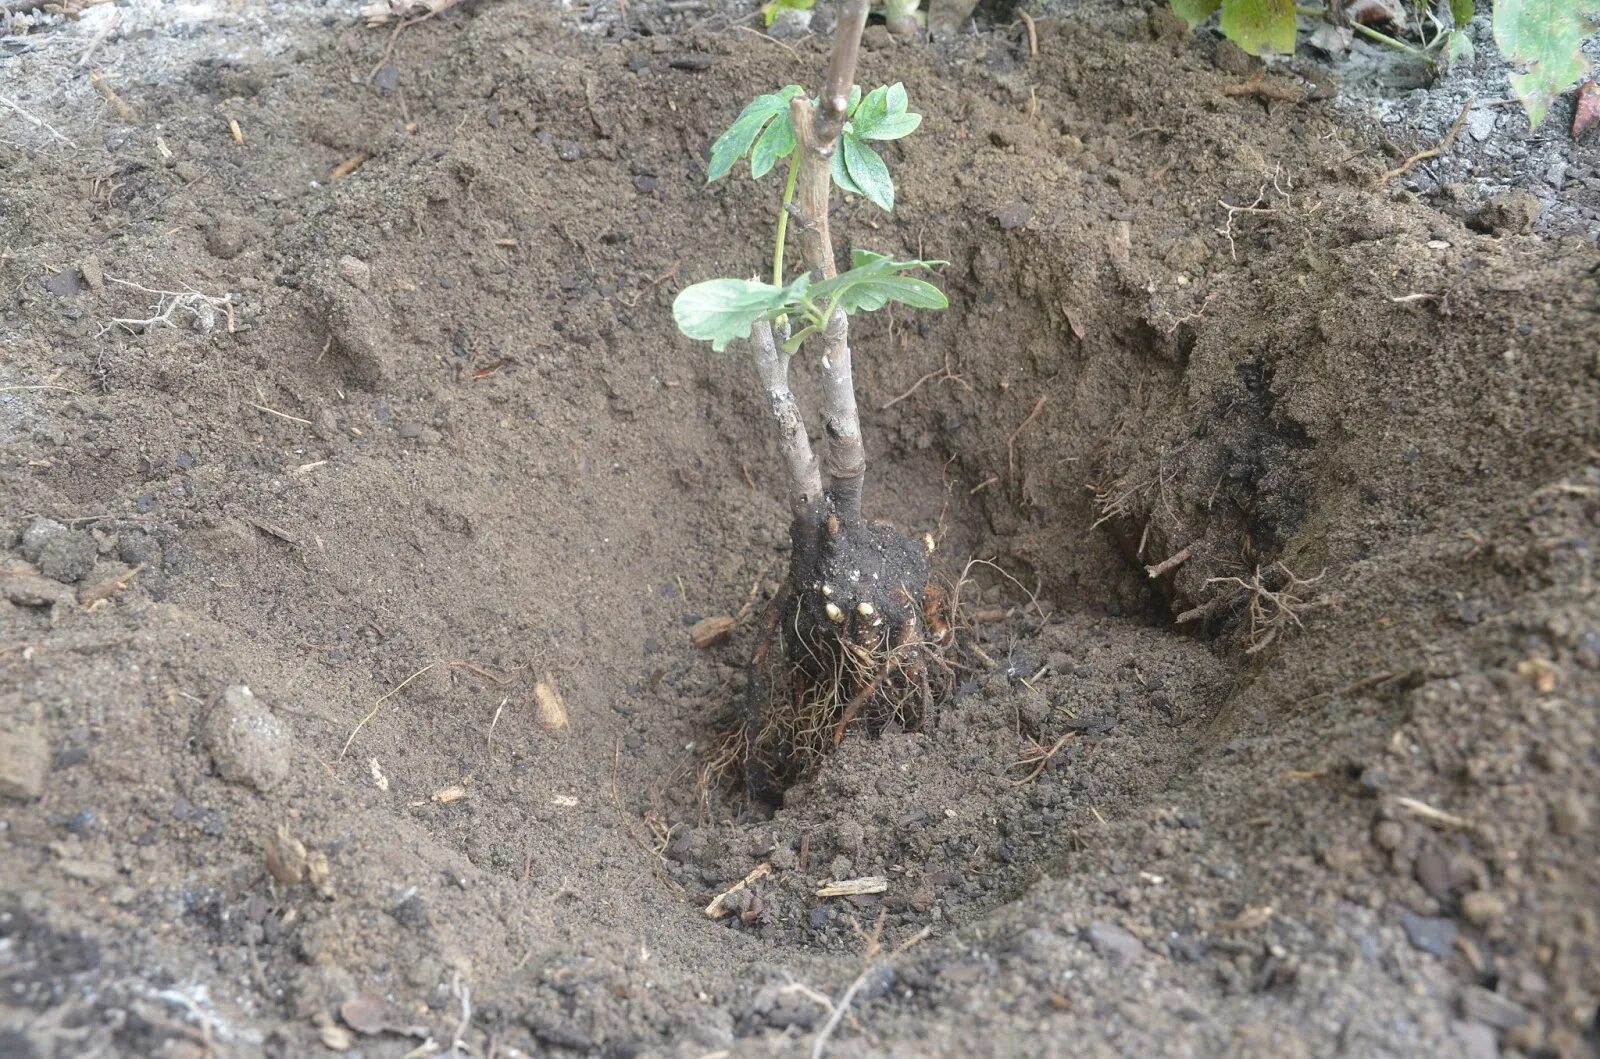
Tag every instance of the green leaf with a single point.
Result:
(882, 115)
(1544, 36)
(773, 8)
(1461, 11)
(1259, 25)
(873, 108)
(873, 294)
(869, 172)
(777, 142)
(893, 127)
(841, 176)
(733, 144)
(1457, 48)
(874, 280)
(794, 341)
(1195, 12)
(721, 310)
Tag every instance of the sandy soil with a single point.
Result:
(380, 414)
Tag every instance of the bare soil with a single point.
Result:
(414, 435)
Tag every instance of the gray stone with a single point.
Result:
(1481, 123)
(39, 533)
(67, 283)
(28, 590)
(1116, 945)
(68, 557)
(248, 744)
(24, 761)
(1477, 1040)
(1432, 934)
(1492, 1009)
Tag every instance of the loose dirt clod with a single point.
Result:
(550, 707)
(246, 742)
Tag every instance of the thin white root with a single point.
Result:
(202, 308)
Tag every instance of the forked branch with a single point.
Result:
(772, 365)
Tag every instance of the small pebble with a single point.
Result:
(1431, 934)
(1388, 834)
(1569, 816)
(1482, 908)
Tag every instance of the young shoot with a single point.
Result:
(856, 637)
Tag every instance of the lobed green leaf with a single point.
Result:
(776, 142)
(1195, 12)
(841, 176)
(868, 171)
(883, 116)
(874, 280)
(741, 135)
(1545, 36)
(1260, 25)
(721, 310)
(773, 8)
(893, 127)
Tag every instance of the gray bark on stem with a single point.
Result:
(844, 461)
(800, 463)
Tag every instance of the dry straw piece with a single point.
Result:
(871, 884)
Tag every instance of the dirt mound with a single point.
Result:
(1280, 730)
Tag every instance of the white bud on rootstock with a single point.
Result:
(865, 609)
(827, 591)
(835, 615)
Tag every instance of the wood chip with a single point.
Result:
(453, 793)
(719, 904)
(708, 632)
(286, 857)
(382, 12)
(350, 165)
(552, 708)
(366, 1013)
(336, 1038)
(870, 884)
(96, 595)
(1249, 919)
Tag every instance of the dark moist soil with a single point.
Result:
(491, 463)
